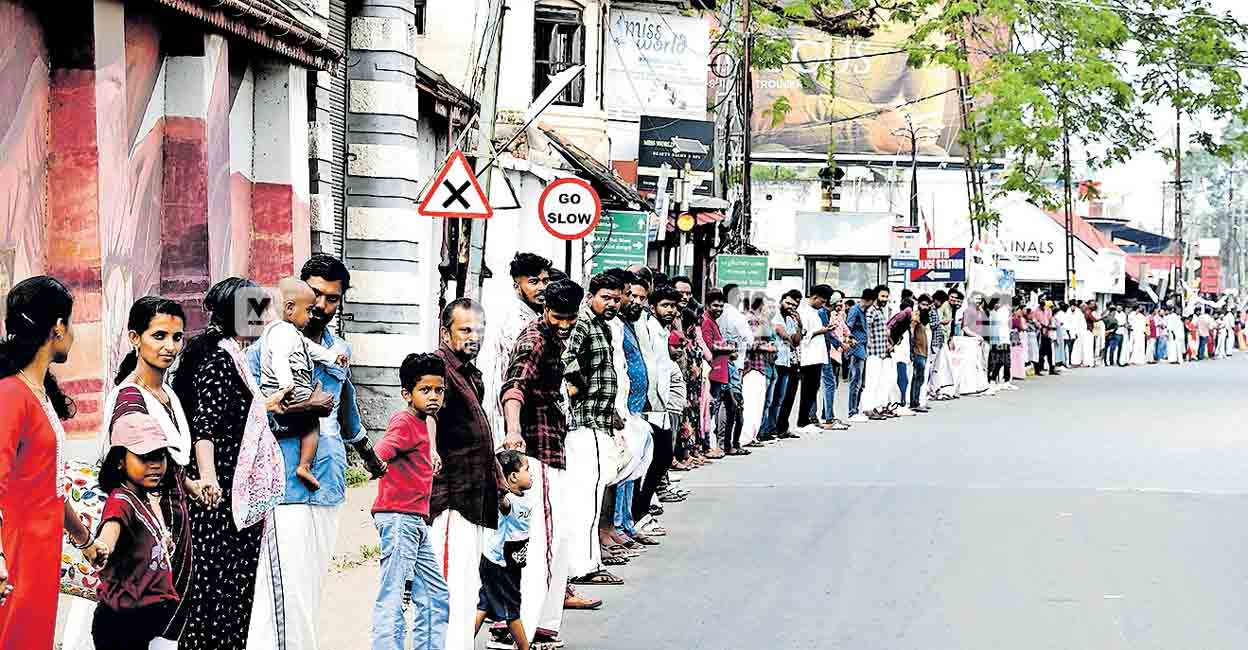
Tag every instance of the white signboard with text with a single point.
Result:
(656, 64)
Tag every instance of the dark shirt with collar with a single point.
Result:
(468, 482)
(535, 379)
(857, 323)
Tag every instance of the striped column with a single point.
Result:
(391, 250)
(279, 201)
(323, 167)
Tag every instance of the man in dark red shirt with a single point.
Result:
(464, 499)
(536, 423)
(721, 397)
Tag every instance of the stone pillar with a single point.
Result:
(185, 272)
(391, 250)
(281, 233)
(74, 187)
(242, 167)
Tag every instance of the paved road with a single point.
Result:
(1102, 510)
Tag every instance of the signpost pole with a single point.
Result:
(485, 144)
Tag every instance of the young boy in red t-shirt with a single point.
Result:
(409, 573)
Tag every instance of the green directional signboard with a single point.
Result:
(619, 240)
(745, 271)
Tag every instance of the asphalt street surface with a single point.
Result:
(1104, 509)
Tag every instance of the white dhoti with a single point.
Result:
(1139, 349)
(971, 377)
(639, 438)
(457, 545)
(294, 561)
(544, 579)
(1087, 343)
(591, 466)
(77, 635)
(875, 383)
(1174, 352)
(939, 372)
(754, 389)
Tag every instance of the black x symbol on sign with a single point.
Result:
(457, 194)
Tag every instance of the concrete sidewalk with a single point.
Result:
(346, 609)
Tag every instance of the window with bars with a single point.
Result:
(559, 45)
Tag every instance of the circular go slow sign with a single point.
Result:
(569, 208)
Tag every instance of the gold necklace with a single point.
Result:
(158, 394)
(38, 390)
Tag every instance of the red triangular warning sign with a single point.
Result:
(456, 192)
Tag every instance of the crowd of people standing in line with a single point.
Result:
(502, 488)
(210, 537)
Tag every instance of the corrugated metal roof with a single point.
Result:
(598, 173)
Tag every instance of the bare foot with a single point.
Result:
(305, 474)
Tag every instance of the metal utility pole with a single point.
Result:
(485, 143)
(974, 179)
(1230, 222)
(1180, 270)
(747, 111)
(1068, 200)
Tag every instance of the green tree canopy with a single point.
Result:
(1040, 68)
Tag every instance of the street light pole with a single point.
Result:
(914, 176)
(913, 134)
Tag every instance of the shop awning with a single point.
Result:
(1149, 242)
(1091, 237)
(611, 189)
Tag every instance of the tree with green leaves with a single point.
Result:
(1217, 177)
(1041, 72)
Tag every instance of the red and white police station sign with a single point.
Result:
(569, 208)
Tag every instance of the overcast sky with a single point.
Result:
(1140, 181)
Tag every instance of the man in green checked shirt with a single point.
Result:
(589, 369)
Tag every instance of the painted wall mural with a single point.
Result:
(105, 186)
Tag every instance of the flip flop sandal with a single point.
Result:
(656, 531)
(614, 560)
(839, 426)
(597, 578)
